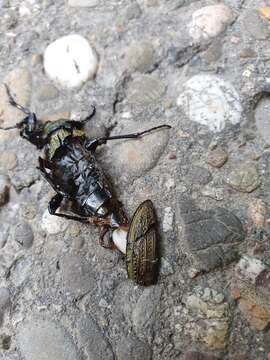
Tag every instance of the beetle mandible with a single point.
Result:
(71, 168)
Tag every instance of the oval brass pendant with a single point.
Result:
(142, 254)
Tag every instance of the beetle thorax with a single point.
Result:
(56, 139)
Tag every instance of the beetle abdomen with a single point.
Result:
(80, 176)
(142, 255)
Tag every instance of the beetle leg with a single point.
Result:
(89, 117)
(80, 124)
(92, 144)
(103, 232)
(55, 203)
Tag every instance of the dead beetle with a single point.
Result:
(71, 168)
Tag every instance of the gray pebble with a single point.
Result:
(144, 90)
(244, 178)
(211, 235)
(134, 158)
(197, 175)
(140, 56)
(21, 271)
(23, 235)
(217, 157)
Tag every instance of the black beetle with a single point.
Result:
(71, 168)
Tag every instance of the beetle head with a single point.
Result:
(30, 130)
(29, 127)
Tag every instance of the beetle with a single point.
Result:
(72, 170)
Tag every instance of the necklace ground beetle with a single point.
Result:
(71, 168)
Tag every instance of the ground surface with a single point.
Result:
(204, 72)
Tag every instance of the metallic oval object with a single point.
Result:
(142, 254)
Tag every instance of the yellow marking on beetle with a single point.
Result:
(55, 141)
(77, 132)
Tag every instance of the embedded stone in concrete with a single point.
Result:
(70, 61)
(83, 3)
(209, 21)
(139, 56)
(144, 90)
(23, 235)
(134, 158)
(244, 177)
(211, 236)
(211, 101)
(210, 317)
(53, 224)
(251, 287)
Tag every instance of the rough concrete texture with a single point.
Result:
(201, 66)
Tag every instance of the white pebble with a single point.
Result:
(70, 61)
(83, 3)
(250, 267)
(53, 224)
(119, 237)
(209, 21)
(168, 219)
(209, 100)
(24, 11)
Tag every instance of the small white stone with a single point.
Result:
(126, 115)
(209, 100)
(53, 224)
(170, 184)
(249, 268)
(83, 3)
(209, 21)
(168, 219)
(24, 11)
(119, 237)
(70, 61)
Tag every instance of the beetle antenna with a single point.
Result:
(90, 115)
(135, 135)
(14, 103)
(17, 126)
